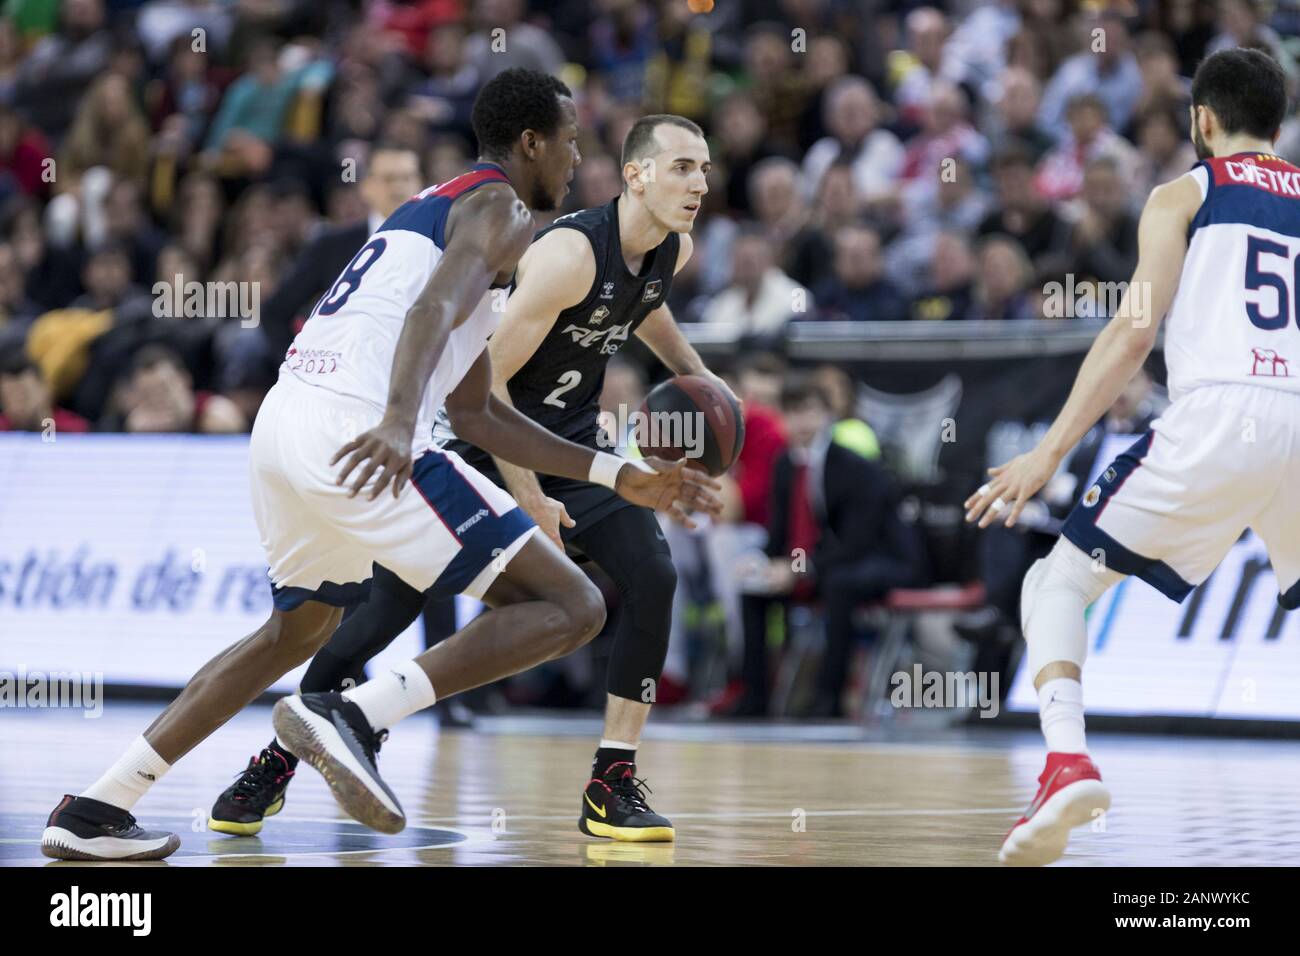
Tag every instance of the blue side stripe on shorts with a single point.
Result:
(482, 535)
(330, 592)
(1081, 528)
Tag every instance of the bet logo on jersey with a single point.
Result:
(652, 289)
(610, 340)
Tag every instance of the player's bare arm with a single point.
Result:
(487, 233)
(661, 334)
(480, 419)
(1116, 355)
(554, 274)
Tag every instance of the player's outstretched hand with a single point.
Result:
(670, 487)
(549, 514)
(1010, 488)
(386, 448)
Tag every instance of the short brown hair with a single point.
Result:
(640, 139)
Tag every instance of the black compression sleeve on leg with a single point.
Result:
(629, 546)
(393, 605)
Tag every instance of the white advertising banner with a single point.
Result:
(1227, 651)
(135, 557)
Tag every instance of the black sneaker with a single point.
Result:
(614, 806)
(84, 829)
(331, 734)
(258, 793)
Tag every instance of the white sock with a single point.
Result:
(393, 695)
(615, 744)
(130, 778)
(1060, 708)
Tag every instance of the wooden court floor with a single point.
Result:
(507, 793)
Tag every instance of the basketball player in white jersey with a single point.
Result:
(401, 333)
(1220, 254)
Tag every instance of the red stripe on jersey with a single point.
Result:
(1261, 170)
(454, 187)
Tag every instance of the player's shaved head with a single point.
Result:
(641, 143)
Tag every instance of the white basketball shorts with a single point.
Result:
(450, 529)
(1221, 459)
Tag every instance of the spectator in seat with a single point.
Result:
(876, 155)
(1002, 283)
(1060, 174)
(950, 291)
(859, 291)
(1104, 243)
(158, 395)
(26, 404)
(777, 198)
(761, 298)
(1016, 120)
(1021, 211)
(834, 535)
(837, 204)
(1110, 73)
(1164, 152)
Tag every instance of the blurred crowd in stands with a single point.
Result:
(180, 180)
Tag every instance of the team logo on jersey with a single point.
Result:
(599, 315)
(607, 290)
(609, 340)
(1092, 497)
(1268, 364)
(652, 290)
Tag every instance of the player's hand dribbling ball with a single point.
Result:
(700, 6)
(693, 417)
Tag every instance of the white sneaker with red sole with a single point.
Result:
(1070, 793)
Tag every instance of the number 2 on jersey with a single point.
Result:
(568, 381)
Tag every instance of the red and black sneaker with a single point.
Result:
(614, 806)
(1070, 794)
(257, 793)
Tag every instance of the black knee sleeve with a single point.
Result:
(641, 632)
(366, 630)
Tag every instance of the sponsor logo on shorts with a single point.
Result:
(1092, 497)
(471, 521)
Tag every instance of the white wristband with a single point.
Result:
(605, 468)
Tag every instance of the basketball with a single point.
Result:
(700, 6)
(690, 416)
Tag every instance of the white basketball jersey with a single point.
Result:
(349, 341)
(1236, 315)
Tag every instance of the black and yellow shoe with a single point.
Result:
(257, 794)
(614, 806)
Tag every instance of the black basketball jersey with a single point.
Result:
(559, 386)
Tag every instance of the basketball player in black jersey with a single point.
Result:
(586, 284)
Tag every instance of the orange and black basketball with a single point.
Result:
(691, 416)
